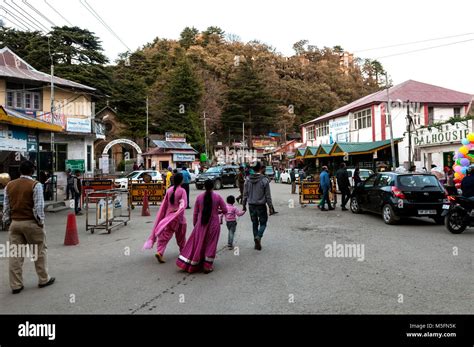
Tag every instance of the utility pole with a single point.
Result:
(53, 161)
(392, 144)
(205, 135)
(243, 141)
(146, 138)
(409, 135)
(250, 128)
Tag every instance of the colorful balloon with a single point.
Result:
(465, 162)
(457, 168)
(465, 142)
(458, 185)
(464, 150)
(458, 176)
(470, 137)
(459, 155)
(464, 170)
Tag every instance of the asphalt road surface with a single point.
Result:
(415, 267)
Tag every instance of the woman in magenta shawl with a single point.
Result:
(200, 250)
(169, 220)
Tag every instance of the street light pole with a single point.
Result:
(392, 144)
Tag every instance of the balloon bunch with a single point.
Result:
(463, 159)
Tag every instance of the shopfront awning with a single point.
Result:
(357, 148)
(21, 120)
(300, 153)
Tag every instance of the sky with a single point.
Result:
(354, 25)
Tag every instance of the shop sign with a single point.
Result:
(12, 139)
(444, 134)
(78, 125)
(175, 137)
(183, 157)
(339, 130)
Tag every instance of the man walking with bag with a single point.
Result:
(23, 213)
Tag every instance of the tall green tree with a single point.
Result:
(187, 37)
(181, 104)
(247, 100)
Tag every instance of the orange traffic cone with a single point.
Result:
(145, 207)
(71, 238)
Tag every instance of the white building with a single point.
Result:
(365, 120)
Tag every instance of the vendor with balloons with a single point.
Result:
(463, 160)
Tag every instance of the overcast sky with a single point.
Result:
(354, 25)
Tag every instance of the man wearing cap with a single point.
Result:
(325, 186)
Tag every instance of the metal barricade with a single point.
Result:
(109, 208)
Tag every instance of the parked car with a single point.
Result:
(396, 196)
(137, 176)
(220, 175)
(285, 176)
(269, 172)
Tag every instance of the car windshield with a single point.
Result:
(418, 181)
(132, 174)
(214, 170)
(365, 174)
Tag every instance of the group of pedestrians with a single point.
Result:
(199, 251)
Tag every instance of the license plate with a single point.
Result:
(446, 207)
(426, 212)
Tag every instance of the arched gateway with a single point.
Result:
(105, 155)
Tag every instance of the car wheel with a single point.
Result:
(439, 220)
(355, 207)
(455, 222)
(389, 216)
(217, 184)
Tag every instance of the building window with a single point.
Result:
(24, 100)
(430, 115)
(19, 100)
(60, 156)
(310, 133)
(36, 101)
(322, 129)
(28, 101)
(363, 119)
(89, 158)
(457, 112)
(10, 99)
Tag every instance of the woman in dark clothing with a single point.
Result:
(356, 177)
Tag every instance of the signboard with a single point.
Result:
(444, 134)
(183, 157)
(266, 143)
(74, 165)
(104, 165)
(175, 137)
(78, 125)
(339, 130)
(59, 119)
(12, 139)
(155, 192)
(32, 144)
(203, 157)
(90, 186)
(310, 191)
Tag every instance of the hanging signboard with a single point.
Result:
(339, 130)
(175, 137)
(183, 157)
(78, 125)
(443, 134)
(74, 165)
(12, 139)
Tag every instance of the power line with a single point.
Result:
(412, 42)
(59, 14)
(20, 26)
(102, 21)
(425, 49)
(34, 19)
(33, 25)
(38, 12)
(26, 25)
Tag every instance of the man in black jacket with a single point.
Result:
(342, 177)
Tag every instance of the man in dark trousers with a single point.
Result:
(77, 192)
(293, 181)
(23, 213)
(69, 184)
(257, 195)
(240, 180)
(342, 177)
(186, 182)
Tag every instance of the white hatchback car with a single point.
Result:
(122, 183)
(285, 176)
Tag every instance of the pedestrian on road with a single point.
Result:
(325, 185)
(77, 192)
(342, 177)
(293, 181)
(240, 180)
(169, 174)
(200, 249)
(356, 177)
(23, 213)
(69, 184)
(277, 175)
(186, 182)
(231, 220)
(169, 220)
(257, 194)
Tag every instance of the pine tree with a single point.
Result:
(181, 104)
(248, 101)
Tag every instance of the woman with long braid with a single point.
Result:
(200, 250)
(170, 220)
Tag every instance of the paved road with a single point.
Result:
(290, 275)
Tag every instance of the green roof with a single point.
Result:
(300, 152)
(357, 147)
(311, 151)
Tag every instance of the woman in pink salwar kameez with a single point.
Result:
(200, 250)
(169, 220)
